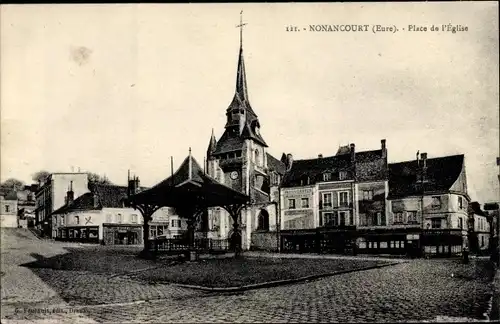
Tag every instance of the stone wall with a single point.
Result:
(264, 241)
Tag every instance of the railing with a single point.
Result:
(179, 246)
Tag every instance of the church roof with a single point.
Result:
(275, 165)
(228, 143)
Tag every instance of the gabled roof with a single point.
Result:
(248, 132)
(368, 156)
(314, 169)
(189, 185)
(442, 172)
(100, 196)
(83, 202)
(275, 165)
(109, 196)
(183, 173)
(343, 150)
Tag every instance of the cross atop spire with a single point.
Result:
(240, 26)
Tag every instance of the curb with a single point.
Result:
(492, 313)
(282, 282)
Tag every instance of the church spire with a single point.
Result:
(211, 145)
(241, 79)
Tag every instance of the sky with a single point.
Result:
(108, 88)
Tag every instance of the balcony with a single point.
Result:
(337, 226)
(231, 162)
(331, 207)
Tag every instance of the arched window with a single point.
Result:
(263, 220)
(257, 157)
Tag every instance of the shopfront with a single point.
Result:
(115, 234)
(83, 234)
(443, 243)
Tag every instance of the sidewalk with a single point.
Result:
(262, 254)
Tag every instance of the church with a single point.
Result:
(240, 160)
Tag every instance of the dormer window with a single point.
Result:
(342, 175)
(257, 132)
(327, 176)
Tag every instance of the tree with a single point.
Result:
(40, 176)
(12, 184)
(96, 178)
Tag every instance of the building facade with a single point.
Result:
(26, 201)
(52, 194)
(358, 199)
(103, 216)
(8, 210)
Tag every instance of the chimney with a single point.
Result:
(424, 160)
(70, 195)
(353, 153)
(320, 156)
(96, 200)
(418, 160)
(133, 185)
(289, 161)
(384, 148)
(136, 184)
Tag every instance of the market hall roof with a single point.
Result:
(189, 185)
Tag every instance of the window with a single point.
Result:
(398, 217)
(257, 158)
(460, 203)
(77, 220)
(7, 208)
(343, 198)
(305, 202)
(119, 218)
(367, 194)
(176, 223)
(62, 220)
(108, 218)
(327, 176)
(436, 202)
(263, 221)
(436, 223)
(460, 223)
(329, 219)
(343, 218)
(291, 203)
(351, 219)
(379, 219)
(342, 175)
(134, 218)
(412, 217)
(327, 200)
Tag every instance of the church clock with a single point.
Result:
(234, 175)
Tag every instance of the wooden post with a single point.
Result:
(147, 212)
(234, 211)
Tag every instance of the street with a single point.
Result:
(417, 290)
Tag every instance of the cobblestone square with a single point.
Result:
(417, 290)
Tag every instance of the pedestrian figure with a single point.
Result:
(465, 254)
